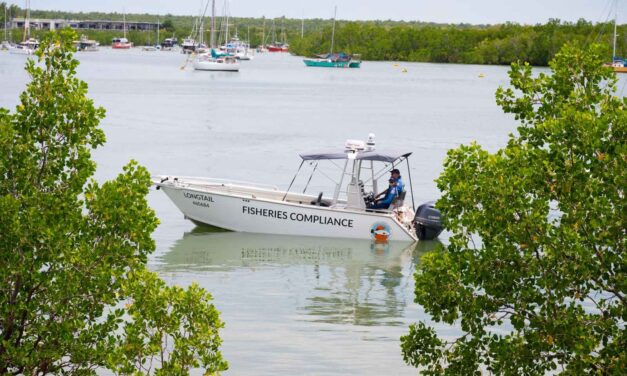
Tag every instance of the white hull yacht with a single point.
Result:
(207, 62)
(248, 207)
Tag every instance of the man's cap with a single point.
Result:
(395, 171)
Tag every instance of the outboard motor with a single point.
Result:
(427, 221)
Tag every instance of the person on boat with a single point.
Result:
(400, 185)
(390, 195)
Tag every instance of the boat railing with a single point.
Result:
(194, 180)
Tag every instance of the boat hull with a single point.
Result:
(246, 213)
(278, 49)
(331, 64)
(217, 67)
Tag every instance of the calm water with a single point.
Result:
(291, 304)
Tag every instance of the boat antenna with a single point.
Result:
(333, 32)
(124, 21)
(302, 26)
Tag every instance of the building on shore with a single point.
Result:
(54, 24)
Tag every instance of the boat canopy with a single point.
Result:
(375, 155)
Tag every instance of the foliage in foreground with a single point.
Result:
(535, 270)
(75, 294)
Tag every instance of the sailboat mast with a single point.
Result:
(302, 26)
(124, 23)
(333, 32)
(615, 19)
(226, 11)
(263, 33)
(5, 22)
(212, 37)
(158, 27)
(27, 22)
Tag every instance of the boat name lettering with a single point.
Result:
(198, 196)
(298, 217)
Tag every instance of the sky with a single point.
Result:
(441, 11)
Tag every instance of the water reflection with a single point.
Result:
(337, 281)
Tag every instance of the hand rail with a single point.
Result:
(204, 180)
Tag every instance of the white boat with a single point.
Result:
(154, 47)
(235, 47)
(206, 62)
(29, 45)
(85, 44)
(212, 60)
(249, 207)
(5, 44)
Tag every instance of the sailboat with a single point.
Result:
(213, 61)
(121, 43)
(619, 64)
(334, 60)
(28, 45)
(156, 46)
(277, 46)
(262, 47)
(5, 45)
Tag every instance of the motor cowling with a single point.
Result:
(427, 221)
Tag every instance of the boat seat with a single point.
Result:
(398, 201)
(320, 202)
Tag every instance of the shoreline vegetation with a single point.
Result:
(414, 41)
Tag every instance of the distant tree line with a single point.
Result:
(498, 44)
(373, 40)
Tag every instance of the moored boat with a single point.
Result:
(121, 44)
(249, 207)
(334, 60)
(340, 60)
(211, 62)
(86, 44)
(168, 44)
(618, 64)
(278, 47)
(28, 45)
